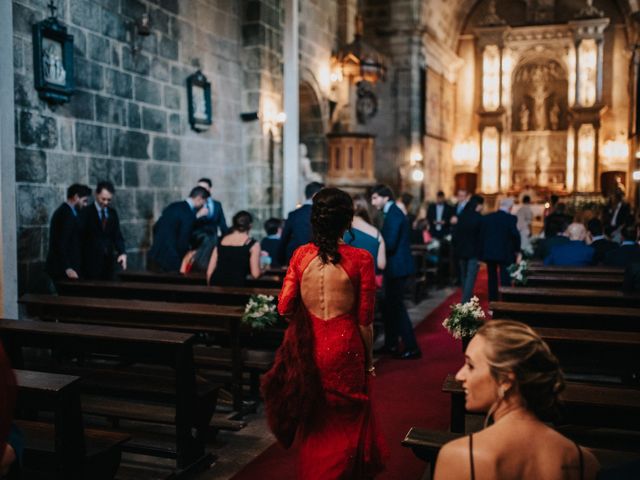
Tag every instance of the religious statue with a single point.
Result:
(524, 117)
(540, 94)
(554, 116)
(54, 71)
(307, 175)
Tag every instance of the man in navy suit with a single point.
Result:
(172, 232)
(101, 238)
(439, 217)
(576, 252)
(210, 219)
(500, 244)
(297, 227)
(628, 252)
(397, 237)
(63, 258)
(599, 242)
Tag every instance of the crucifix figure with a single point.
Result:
(540, 94)
(53, 8)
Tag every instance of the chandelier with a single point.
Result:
(359, 61)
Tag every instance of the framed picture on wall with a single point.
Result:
(199, 101)
(53, 61)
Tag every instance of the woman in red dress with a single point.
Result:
(319, 388)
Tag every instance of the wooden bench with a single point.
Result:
(569, 316)
(584, 404)
(192, 408)
(162, 292)
(265, 281)
(565, 280)
(63, 449)
(569, 296)
(217, 320)
(426, 445)
(568, 270)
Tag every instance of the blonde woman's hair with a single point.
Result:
(513, 347)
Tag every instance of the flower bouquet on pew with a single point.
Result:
(464, 320)
(260, 312)
(519, 272)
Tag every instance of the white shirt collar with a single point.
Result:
(597, 237)
(190, 202)
(387, 206)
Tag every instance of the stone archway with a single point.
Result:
(312, 132)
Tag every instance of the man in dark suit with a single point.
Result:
(554, 235)
(210, 219)
(63, 258)
(575, 253)
(466, 244)
(599, 241)
(500, 244)
(100, 236)
(439, 217)
(396, 233)
(271, 243)
(618, 214)
(628, 252)
(172, 232)
(297, 227)
(557, 219)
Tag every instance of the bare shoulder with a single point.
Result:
(453, 460)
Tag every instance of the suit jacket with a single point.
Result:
(574, 253)
(447, 213)
(601, 247)
(271, 246)
(397, 237)
(623, 256)
(295, 233)
(631, 281)
(544, 248)
(624, 215)
(210, 224)
(171, 235)
(99, 245)
(466, 234)
(64, 243)
(499, 237)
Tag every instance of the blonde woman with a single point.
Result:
(510, 373)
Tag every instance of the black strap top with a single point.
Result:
(473, 472)
(233, 265)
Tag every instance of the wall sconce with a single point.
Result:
(139, 28)
(417, 171)
(417, 175)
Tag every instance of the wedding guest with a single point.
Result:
(574, 253)
(510, 373)
(172, 232)
(462, 197)
(236, 256)
(439, 216)
(500, 244)
(628, 251)
(599, 241)
(297, 227)
(271, 243)
(525, 218)
(210, 219)
(319, 388)
(553, 235)
(363, 234)
(64, 255)
(467, 244)
(101, 238)
(400, 265)
(618, 214)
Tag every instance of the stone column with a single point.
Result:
(8, 254)
(291, 108)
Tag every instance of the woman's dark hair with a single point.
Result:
(331, 215)
(361, 207)
(241, 221)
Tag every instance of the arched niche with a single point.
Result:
(312, 130)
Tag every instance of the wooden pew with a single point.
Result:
(569, 316)
(268, 280)
(193, 407)
(584, 404)
(63, 449)
(220, 320)
(426, 445)
(595, 270)
(569, 296)
(565, 280)
(162, 292)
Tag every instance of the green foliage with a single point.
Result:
(260, 312)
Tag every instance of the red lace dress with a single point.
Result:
(340, 440)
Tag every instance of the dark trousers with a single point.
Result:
(396, 318)
(492, 272)
(468, 272)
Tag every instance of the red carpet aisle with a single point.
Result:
(407, 393)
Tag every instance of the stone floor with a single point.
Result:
(236, 449)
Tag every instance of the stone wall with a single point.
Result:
(127, 121)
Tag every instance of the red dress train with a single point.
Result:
(339, 439)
